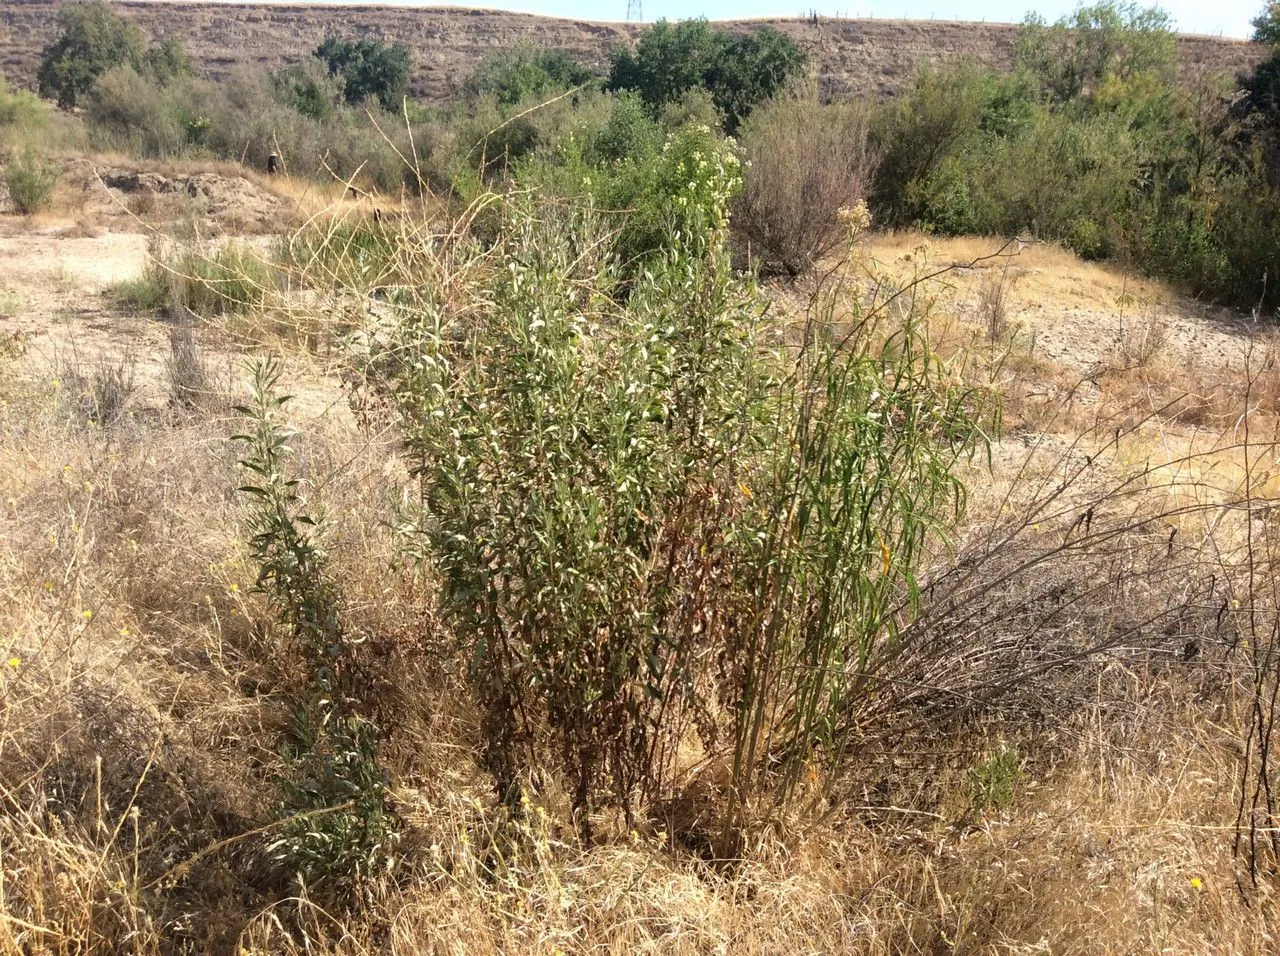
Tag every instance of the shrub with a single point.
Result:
(146, 293)
(686, 191)
(167, 61)
(101, 397)
(993, 782)
(804, 164)
(739, 71)
(230, 280)
(526, 72)
(1266, 25)
(92, 40)
(31, 182)
(1081, 51)
(19, 108)
(369, 67)
(916, 133)
(337, 828)
(191, 383)
(126, 110)
(994, 296)
(248, 117)
(310, 89)
(644, 521)
(628, 134)
(695, 107)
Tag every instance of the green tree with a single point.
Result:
(526, 71)
(167, 61)
(918, 132)
(369, 67)
(1076, 55)
(309, 88)
(1266, 25)
(739, 70)
(91, 40)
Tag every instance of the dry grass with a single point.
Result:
(141, 711)
(1046, 271)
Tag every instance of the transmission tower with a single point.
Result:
(634, 11)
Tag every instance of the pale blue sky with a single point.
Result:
(1228, 17)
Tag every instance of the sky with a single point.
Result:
(1226, 17)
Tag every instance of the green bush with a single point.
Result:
(309, 89)
(148, 292)
(1266, 25)
(369, 67)
(916, 133)
(337, 829)
(229, 280)
(994, 781)
(738, 70)
(628, 134)
(93, 39)
(1107, 40)
(167, 61)
(249, 116)
(643, 519)
(526, 72)
(31, 181)
(128, 111)
(19, 108)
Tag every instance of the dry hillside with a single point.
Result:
(853, 56)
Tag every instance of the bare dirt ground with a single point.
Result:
(58, 270)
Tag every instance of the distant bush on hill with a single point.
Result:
(526, 71)
(1266, 25)
(368, 67)
(738, 70)
(92, 40)
(1109, 40)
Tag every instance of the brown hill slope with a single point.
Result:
(853, 56)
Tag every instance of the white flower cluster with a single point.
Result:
(706, 172)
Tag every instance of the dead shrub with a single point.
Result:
(1142, 341)
(142, 203)
(806, 163)
(102, 394)
(993, 302)
(191, 381)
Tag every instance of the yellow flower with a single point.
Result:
(234, 588)
(745, 490)
(56, 384)
(48, 585)
(124, 632)
(15, 662)
(1196, 883)
(87, 615)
